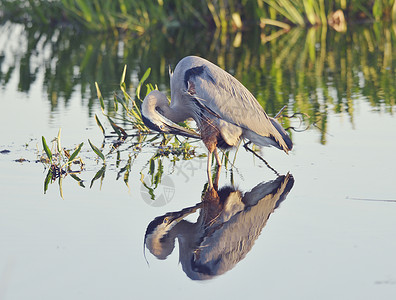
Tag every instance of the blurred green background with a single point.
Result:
(314, 56)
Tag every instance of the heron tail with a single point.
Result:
(288, 144)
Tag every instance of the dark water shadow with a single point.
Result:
(228, 224)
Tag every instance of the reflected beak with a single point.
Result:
(176, 217)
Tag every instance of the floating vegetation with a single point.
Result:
(59, 162)
(127, 111)
(128, 135)
(97, 151)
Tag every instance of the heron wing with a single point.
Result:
(225, 97)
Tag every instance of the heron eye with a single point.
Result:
(166, 220)
(162, 127)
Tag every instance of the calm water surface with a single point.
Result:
(331, 228)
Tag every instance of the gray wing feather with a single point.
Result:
(224, 95)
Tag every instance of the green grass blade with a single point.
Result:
(149, 88)
(46, 149)
(158, 175)
(99, 96)
(60, 187)
(115, 127)
(75, 153)
(119, 130)
(123, 85)
(47, 180)
(86, 10)
(126, 178)
(149, 189)
(58, 143)
(115, 103)
(123, 75)
(127, 172)
(97, 151)
(99, 124)
(99, 174)
(152, 167)
(143, 79)
(78, 179)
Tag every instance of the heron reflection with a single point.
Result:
(228, 224)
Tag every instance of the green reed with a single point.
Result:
(312, 71)
(125, 119)
(225, 15)
(317, 71)
(129, 142)
(59, 162)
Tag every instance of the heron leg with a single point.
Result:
(246, 145)
(217, 157)
(209, 165)
(216, 183)
(259, 157)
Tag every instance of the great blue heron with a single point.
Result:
(228, 224)
(224, 110)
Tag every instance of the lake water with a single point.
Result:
(332, 237)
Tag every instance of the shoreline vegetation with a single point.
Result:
(224, 15)
(311, 69)
(285, 55)
(315, 70)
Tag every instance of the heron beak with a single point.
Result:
(174, 128)
(176, 217)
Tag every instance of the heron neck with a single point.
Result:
(175, 115)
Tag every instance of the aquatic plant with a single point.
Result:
(142, 16)
(59, 162)
(127, 111)
(119, 141)
(130, 110)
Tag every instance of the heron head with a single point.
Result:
(157, 115)
(158, 238)
(162, 231)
